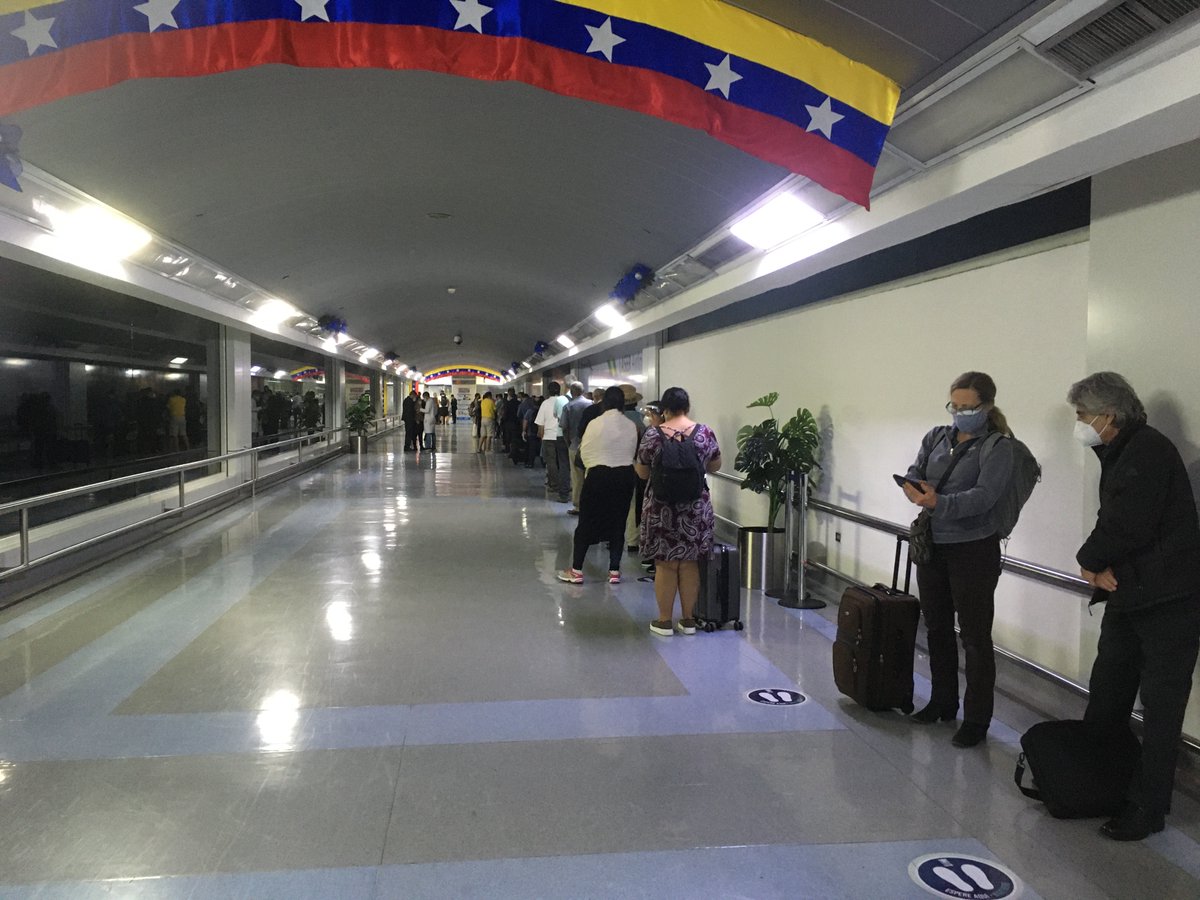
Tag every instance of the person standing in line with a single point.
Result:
(431, 412)
(569, 423)
(676, 536)
(510, 424)
(453, 410)
(553, 452)
(408, 414)
(652, 417)
(633, 520)
(962, 576)
(473, 413)
(529, 411)
(1142, 560)
(607, 451)
(487, 421)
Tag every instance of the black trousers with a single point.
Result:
(410, 435)
(961, 580)
(1153, 650)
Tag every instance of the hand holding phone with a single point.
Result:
(902, 480)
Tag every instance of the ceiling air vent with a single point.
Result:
(1115, 33)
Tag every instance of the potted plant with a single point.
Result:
(766, 453)
(358, 419)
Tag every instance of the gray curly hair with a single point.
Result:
(1107, 393)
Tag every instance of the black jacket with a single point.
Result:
(1146, 529)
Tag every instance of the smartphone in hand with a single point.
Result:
(902, 480)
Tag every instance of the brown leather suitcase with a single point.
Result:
(875, 644)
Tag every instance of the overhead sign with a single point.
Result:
(964, 877)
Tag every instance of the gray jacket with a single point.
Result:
(964, 509)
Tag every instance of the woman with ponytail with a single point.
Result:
(962, 575)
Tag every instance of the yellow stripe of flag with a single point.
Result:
(12, 6)
(751, 37)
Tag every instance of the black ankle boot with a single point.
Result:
(1134, 824)
(969, 734)
(935, 712)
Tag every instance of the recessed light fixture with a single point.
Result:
(280, 374)
(565, 342)
(179, 360)
(609, 315)
(779, 220)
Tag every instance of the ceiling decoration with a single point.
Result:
(703, 64)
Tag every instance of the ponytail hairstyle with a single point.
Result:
(982, 384)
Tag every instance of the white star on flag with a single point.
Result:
(470, 12)
(603, 39)
(35, 33)
(823, 118)
(721, 77)
(313, 9)
(159, 12)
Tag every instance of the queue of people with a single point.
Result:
(1142, 558)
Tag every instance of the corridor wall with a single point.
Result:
(875, 368)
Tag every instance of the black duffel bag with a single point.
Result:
(1080, 769)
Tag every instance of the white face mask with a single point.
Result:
(1086, 434)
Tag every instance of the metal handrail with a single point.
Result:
(22, 507)
(1035, 571)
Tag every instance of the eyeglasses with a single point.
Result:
(952, 409)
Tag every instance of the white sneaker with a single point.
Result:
(659, 628)
(614, 576)
(571, 576)
(686, 626)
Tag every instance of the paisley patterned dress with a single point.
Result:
(670, 532)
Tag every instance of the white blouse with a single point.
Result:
(610, 440)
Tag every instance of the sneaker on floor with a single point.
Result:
(686, 626)
(663, 628)
(647, 564)
(571, 576)
(572, 512)
(614, 576)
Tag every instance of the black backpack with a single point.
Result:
(677, 475)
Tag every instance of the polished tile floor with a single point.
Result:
(368, 683)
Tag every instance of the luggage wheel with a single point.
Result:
(738, 625)
(907, 709)
(710, 627)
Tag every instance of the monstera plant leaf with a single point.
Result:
(767, 400)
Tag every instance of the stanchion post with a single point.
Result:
(801, 600)
(788, 590)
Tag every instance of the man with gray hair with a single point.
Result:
(1142, 560)
(570, 423)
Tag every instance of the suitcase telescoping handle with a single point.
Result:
(902, 541)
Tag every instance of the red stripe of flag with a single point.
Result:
(222, 48)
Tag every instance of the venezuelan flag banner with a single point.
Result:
(773, 93)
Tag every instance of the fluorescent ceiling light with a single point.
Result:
(565, 342)
(281, 374)
(609, 315)
(781, 219)
(527, 365)
(273, 313)
(97, 231)
(179, 360)
(329, 345)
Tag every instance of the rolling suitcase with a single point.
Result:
(720, 600)
(876, 641)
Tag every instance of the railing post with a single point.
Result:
(24, 517)
(799, 598)
(182, 500)
(254, 472)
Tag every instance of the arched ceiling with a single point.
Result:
(370, 194)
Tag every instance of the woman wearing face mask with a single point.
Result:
(1143, 560)
(963, 471)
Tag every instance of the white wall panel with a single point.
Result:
(876, 367)
(1143, 319)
